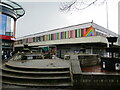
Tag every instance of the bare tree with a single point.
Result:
(79, 4)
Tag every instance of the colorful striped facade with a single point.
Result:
(77, 33)
(70, 34)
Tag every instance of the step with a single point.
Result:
(34, 82)
(39, 85)
(4, 68)
(37, 73)
(34, 77)
(39, 64)
(38, 69)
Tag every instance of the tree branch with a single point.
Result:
(69, 5)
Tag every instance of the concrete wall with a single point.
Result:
(90, 80)
(97, 80)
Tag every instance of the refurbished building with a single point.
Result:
(88, 38)
(9, 13)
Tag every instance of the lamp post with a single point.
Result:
(107, 13)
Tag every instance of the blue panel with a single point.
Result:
(4, 18)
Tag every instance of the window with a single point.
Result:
(34, 39)
(37, 39)
(7, 26)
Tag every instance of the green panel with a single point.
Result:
(57, 35)
(80, 32)
(51, 36)
(66, 34)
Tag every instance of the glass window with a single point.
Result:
(34, 39)
(12, 27)
(37, 39)
(4, 18)
(0, 23)
(7, 25)
(41, 38)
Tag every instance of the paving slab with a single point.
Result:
(44, 63)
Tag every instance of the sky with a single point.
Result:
(45, 15)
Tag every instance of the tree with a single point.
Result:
(80, 4)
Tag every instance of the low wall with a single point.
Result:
(97, 81)
(85, 80)
(85, 60)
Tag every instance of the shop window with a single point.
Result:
(41, 38)
(75, 33)
(37, 39)
(34, 39)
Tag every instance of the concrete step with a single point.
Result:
(38, 69)
(12, 75)
(36, 82)
(7, 69)
(39, 85)
(38, 78)
(39, 74)
(39, 64)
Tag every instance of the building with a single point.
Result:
(88, 38)
(9, 13)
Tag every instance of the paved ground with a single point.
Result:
(97, 68)
(45, 63)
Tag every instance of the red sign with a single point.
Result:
(7, 37)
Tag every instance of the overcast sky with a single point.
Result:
(44, 16)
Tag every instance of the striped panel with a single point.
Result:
(61, 35)
(49, 36)
(73, 34)
(58, 35)
(43, 38)
(78, 32)
(69, 34)
(84, 31)
(66, 36)
(54, 36)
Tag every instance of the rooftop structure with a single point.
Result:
(16, 10)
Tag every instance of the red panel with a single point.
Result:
(7, 37)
